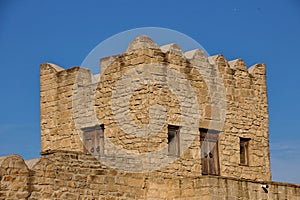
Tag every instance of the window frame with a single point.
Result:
(174, 132)
(244, 151)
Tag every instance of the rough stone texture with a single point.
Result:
(162, 86)
(66, 102)
(57, 124)
(14, 176)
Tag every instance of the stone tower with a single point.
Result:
(157, 123)
(231, 101)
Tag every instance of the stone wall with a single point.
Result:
(14, 176)
(65, 175)
(56, 108)
(247, 117)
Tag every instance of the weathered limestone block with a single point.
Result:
(14, 176)
(172, 49)
(42, 178)
(142, 42)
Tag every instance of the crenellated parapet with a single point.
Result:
(14, 176)
(30, 179)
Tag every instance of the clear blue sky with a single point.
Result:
(64, 32)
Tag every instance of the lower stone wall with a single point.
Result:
(69, 175)
(218, 188)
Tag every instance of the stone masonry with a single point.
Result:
(157, 123)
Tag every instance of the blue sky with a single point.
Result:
(64, 32)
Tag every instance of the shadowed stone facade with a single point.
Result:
(157, 123)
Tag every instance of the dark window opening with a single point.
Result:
(93, 139)
(244, 151)
(173, 140)
(209, 152)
